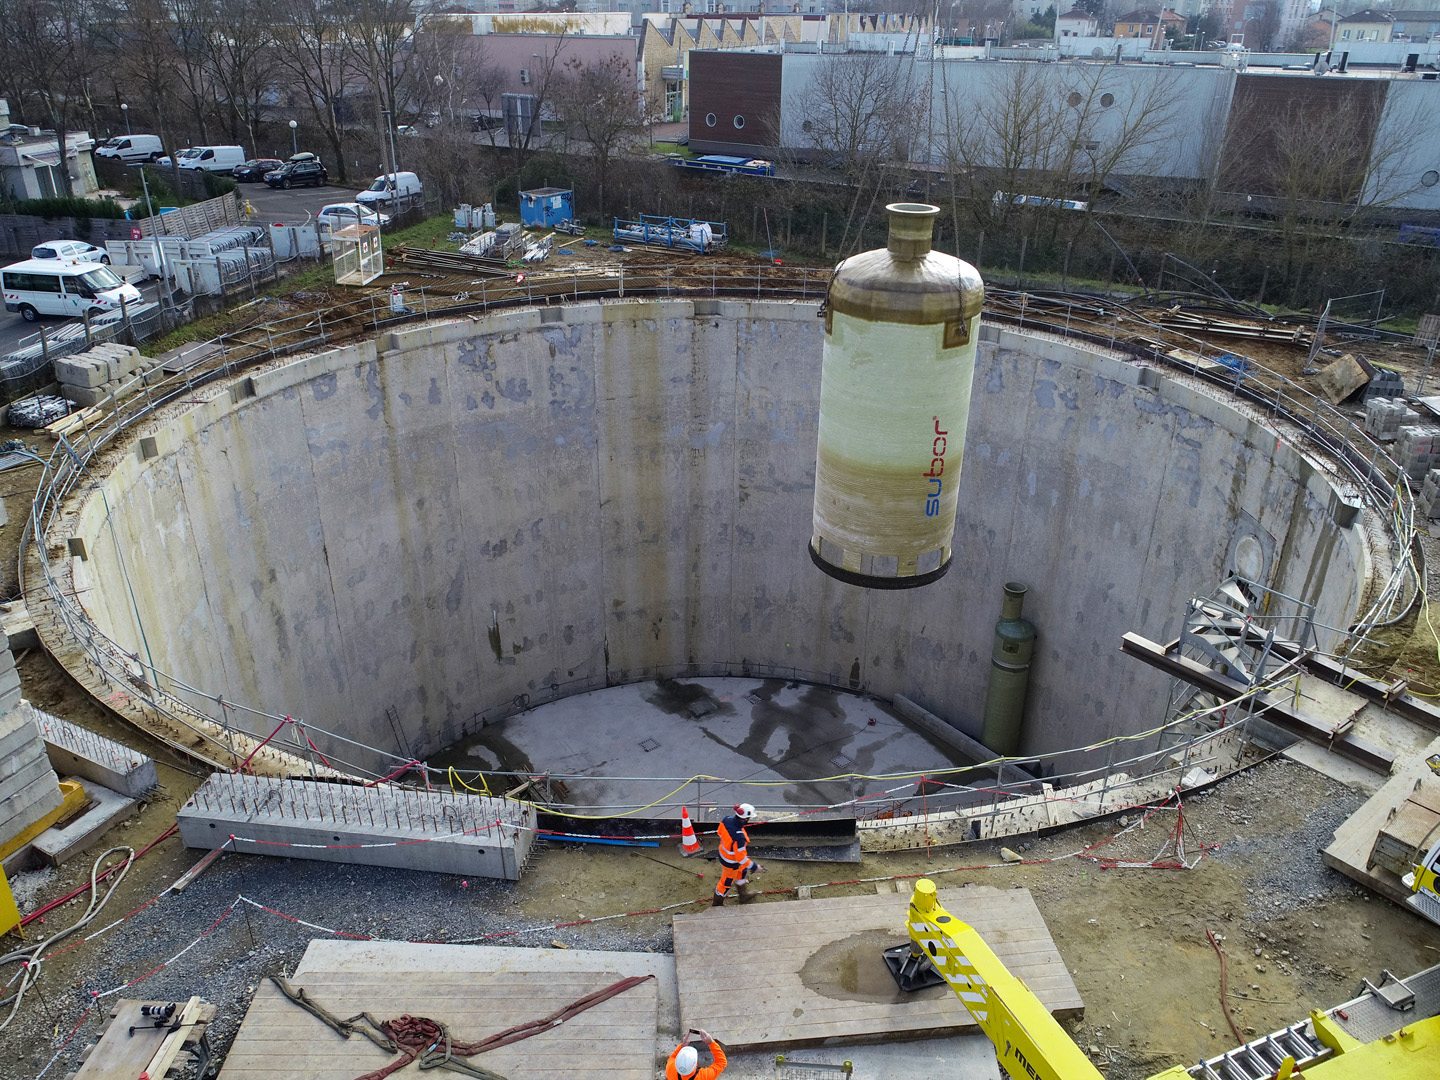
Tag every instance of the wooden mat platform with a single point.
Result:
(613, 1041)
(1350, 850)
(740, 968)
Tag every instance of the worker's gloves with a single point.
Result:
(757, 868)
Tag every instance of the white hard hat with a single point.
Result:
(745, 811)
(687, 1061)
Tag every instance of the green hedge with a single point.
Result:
(217, 185)
(72, 207)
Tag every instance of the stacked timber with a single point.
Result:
(1410, 830)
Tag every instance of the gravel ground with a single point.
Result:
(1297, 934)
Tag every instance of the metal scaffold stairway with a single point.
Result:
(1232, 633)
(1263, 1057)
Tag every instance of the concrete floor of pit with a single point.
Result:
(1134, 938)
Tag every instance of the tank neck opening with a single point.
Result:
(912, 226)
(1014, 601)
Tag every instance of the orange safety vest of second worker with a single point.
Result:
(705, 1072)
(734, 841)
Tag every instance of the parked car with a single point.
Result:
(131, 148)
(214, 158)
(183, 156)
(307, 170)
(384, 190)
(340, 215)
(407, 129)
(46, 287)
(255, 169)
(70, 251)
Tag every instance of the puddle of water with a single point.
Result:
(853, 969)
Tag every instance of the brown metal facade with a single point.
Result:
(734, 101)
(1312, 134)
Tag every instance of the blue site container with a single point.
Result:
(546, 207)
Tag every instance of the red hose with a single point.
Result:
(28, 919)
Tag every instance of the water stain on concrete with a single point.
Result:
(687, 699)
(853, 969)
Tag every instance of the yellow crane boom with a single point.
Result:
(1029, 1042)
(1031, 1045)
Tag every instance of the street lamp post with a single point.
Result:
(294, 139)
(126, 110)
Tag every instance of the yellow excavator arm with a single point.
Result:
(1029, 1043)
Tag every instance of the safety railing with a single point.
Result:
(1379, 481)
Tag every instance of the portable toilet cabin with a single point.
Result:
(546, 207)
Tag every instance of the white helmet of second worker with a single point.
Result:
(687, 1061)
(745, 812)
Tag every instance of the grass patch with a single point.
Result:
(660, 147)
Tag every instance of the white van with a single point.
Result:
(38, 287)
(213, 158)
(385, 189)
(130, 148)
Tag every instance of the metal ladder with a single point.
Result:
(1259, 1060)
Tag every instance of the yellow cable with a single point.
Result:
(453, 775)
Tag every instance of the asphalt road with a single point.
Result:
(296, 205)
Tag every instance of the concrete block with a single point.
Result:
(86, 396)
(16, 731)
(77, 751)
(18, 627)
(107, 808)
(437, 831)
(81, 371)
(28, 805)
(16, 763)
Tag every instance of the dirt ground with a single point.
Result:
(1134, 938)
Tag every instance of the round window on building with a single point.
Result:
(1430, 179)
(709, 119)
(807, 126)
(739, 122)
(1106, 100)
(1074, 98)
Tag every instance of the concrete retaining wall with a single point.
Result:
(465, 516)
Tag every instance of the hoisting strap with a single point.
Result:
(417, 1037)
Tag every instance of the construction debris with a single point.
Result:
(38, 411)
(1428, 501)
(1341, 379)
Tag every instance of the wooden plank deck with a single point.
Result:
(805, 972)
(615, 1040)
(1350, 850)
(118, 1055)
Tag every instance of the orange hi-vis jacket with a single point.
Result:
(705, 1072)
(734, 841)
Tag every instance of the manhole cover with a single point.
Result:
(649, 744)
(754, 699)
(840, 761)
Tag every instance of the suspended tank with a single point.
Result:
(901, 325)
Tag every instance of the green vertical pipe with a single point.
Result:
(1009, 674)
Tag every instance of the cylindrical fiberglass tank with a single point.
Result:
(901, 325)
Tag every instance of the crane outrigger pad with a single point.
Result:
(910, 970)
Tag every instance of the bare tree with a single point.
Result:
(380, 31)
(601, 104)
(313, 49)
(1264, 28)
(48, 44)
(858, 117)
(137, 36)
(243, 58)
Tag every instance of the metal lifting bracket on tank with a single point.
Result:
(786, 1065)
(911, 970)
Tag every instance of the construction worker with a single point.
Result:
(735, 864)
(684, 1063)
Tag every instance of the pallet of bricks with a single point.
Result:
(1384, 417)
(102, 371)
(1417, 450)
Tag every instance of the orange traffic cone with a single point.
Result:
(689, 843)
